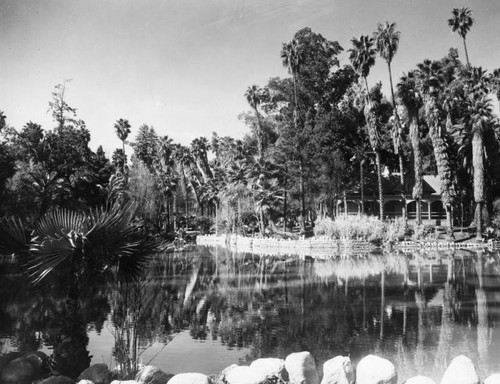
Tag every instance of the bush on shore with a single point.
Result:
(364, 228)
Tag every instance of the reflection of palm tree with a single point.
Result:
(447, 323)
(482, 314)
(420, 350)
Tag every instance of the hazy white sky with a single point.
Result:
(183, 66)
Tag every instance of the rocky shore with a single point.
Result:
(297, 368)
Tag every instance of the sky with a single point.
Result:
(183, 66)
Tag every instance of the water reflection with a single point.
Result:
(418, 309)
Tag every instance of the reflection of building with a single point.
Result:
(433, 212)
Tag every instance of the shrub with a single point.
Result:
(203, 224)
(366, 228)
(424, 232)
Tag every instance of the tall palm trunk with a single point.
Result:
(302, 196)
(477, 161)
(397, 147)
(442, 160)
(259, 135)
(373, 138)
(380, 187)
(417, 165)
(466, 52)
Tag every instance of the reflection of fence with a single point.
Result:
(317, 246)
(322, 247)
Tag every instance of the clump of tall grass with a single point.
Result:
(361, 228)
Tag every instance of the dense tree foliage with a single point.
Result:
(314, 137)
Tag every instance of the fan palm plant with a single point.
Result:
(80, 243)
(461, 22)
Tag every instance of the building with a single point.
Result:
(433, 212)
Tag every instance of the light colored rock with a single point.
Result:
(19, 370)
(375, 370)
(271, 367)
(190, 378)
(97, 373)
(150, 374)
(301, 368)
(123, 382)
(60, 379)
(420, 380)
(338, 370)
(461, 371)
(85, 382)
(493, 379)
(236, 374)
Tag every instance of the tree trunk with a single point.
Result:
(442, 160)
(380, 186)
(302, 197)
(478, 165)
(466, 53)
(362, 186)
(417, 165)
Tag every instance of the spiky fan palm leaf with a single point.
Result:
(90, 243)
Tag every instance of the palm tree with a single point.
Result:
(387, 41)
(430, 84)
(481, 116)
(122, 129)
(362, 57)
(2, 120)
(461, 22)
(254, 96)
(412, 101)
(199, 148)
(292, 58)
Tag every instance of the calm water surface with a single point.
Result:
(204, 310)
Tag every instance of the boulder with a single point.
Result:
(338, 370)
(149, 374)
(461, 371)
(85, 382)
(40, 362)
(375, 370)
(97, 373)
(59, 379)
(190, 378)
(271, 368)
(124, 382)
(239, 374)
(301, 368)
(493, 379)
(6, 359)
(19, 370)
(420, 380)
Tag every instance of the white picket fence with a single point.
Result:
(322, 247)
(317, 246)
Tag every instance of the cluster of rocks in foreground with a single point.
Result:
(297, 368)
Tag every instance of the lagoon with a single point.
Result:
(206, 309)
